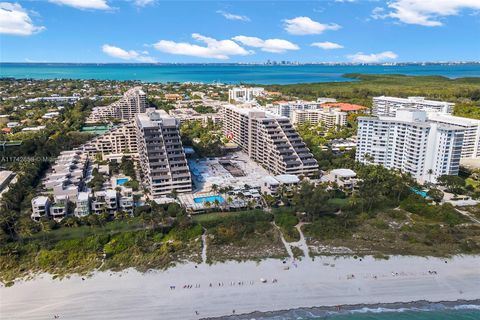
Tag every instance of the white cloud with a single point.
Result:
(216, 49)
(305, 25)
(373, 57)
(132, 55)
(327, 45)
(15, 20)
(231, 16)
(425, 12)
(143, 3)
(268, 45)
(84, 4)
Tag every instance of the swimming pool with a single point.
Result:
(121, 181)
(210, 199)
(422, 194)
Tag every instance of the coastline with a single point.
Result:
(326, 281)
(326, 311)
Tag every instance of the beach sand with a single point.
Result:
(327, 281)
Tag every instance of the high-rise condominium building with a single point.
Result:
(286, 108)
(269, 140)
(388, 106)
(161, 154)
(471, 140)
(243, 94)
(329, 117)
(132, 102)
(411, 143)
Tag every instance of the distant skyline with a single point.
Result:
(144, 31)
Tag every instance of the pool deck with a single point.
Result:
(208, 172)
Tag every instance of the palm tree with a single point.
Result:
(207, 204)
(229, 201)
(216, 203)
(214, 188)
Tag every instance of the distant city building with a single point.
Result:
(388, 106)
(162, 158)
(410, 142)
(173, 96)
(132, 102)
(56, 99)
(286, 108)
(330, 117)
(323, 100)
(269, 140)
(244, 94)
(341, 145)
(188, 114)
(37, 128)
(51, 115)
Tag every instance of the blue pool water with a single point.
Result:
(210, 199)
(422, 194)
(121, 181)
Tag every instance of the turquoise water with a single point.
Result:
(210, 199)
(121, 181)
(425, 312)
(422, 194)
(412, 315)
(209, 73)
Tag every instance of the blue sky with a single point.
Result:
(239, 31)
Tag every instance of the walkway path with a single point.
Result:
(468, 215)
(285, 243)
(302, 244)
(204, 246)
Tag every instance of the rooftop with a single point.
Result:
(344, 106)
(344, 172)
(287, 178)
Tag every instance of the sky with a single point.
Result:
(143, 31)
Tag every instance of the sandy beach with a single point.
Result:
(217, 290)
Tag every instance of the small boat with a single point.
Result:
(263, 280)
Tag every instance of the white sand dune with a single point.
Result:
(133, 295)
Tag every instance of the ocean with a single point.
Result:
(232, 74)
(420, 310)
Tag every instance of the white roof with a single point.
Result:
(287, 178)
(4, 175)
(344, 172)
(83, 196)
(453, 120)
(111, 193)
(270, 180)
(40, 200)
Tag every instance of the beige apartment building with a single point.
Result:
(269, 140)
(329, 117)
(161, 154)
(132, 102)
(120, 139)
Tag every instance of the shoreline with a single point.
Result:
(323, 311)
(205, 291)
